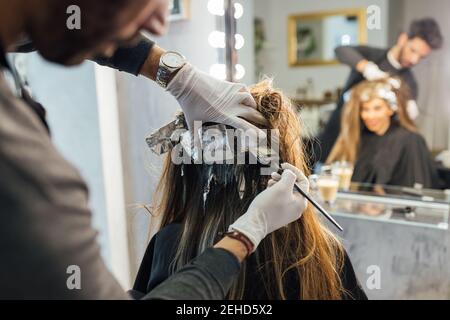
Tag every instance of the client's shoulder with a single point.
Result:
(168, 233)
(166, 242)
(408, 135)
(410, 142)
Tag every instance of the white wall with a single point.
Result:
(396, 20)
(110, 142)
(276, 13)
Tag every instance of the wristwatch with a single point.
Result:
(169, 63)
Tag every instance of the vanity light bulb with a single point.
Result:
(238, 10)
(216, 7)
(240, 41)
(240, 72)
(218, 71)
(217, 39)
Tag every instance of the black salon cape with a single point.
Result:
(160, 252)
(398, 158)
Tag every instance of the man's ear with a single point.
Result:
(402, 39)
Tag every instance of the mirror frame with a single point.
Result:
(292, 33)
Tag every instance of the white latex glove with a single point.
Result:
(207, 99)
(373, 73)
(444, 157)
(412, 109)
(276, 207)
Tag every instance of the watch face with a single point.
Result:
(173, 60)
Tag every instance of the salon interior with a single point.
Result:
(383, 171)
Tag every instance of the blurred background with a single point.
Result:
(100, 119)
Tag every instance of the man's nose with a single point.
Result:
(415, 59)
(156, 24)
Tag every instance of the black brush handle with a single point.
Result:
(313, 202)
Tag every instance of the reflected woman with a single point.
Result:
(380, 139)
(197, 201)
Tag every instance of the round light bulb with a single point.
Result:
(218, 71)
(216, 7)
(238, 10)
(240, 72)
(217, 39)
(240, 41)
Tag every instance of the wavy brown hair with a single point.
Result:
(347, 144)
(305, 248)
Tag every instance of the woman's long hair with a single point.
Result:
(305, 248)
(347, 144)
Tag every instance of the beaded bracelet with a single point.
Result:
(236, 235)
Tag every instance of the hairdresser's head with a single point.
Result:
(104, 25)
(206, 199)
(423, 37)
(374, 106)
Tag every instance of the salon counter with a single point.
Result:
(402, 237)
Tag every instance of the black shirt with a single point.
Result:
(399, 158)
(155, 268)
(126, 59)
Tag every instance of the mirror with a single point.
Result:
(311, 52)
(313, 37)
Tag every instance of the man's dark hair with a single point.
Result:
(428, 30)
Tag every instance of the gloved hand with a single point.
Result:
(412, 109)
(276, 207)
(373, 73)
(207, 99)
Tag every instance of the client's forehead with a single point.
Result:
(373, 102)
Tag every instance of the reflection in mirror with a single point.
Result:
(313, 37)
(400, 230)
(321, 57)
